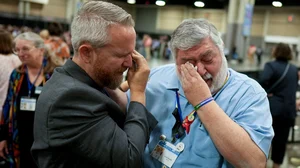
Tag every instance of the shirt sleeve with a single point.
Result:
(253, 114)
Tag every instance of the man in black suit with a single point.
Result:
(79, 120)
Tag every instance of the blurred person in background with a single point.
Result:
(45, 34)
(259, 52)
(25, 86)
(56, 44)
(251, 52)
(8, 62)
(147, 42)
(280, 80)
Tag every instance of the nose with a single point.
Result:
(201, 68)
(20, 53)
(128, 61)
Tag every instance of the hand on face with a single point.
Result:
(138, 74)
(194, 87)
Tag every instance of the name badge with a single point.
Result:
(166, 153)
(38, 90)
(27, 104)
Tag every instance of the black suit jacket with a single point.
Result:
(78, 126)
(283, 101)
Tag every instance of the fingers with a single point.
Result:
(124, 86)
(138, 61)
(186, 77)
(137, 78)
(192, 70)
(185, 71)
(136, 54)
(138, 57)
(189, 71)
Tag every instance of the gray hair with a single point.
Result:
(93, 20)
(37, 40)
(191, 32)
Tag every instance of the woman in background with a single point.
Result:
(25, 85)
(8, 62)
(282, 98)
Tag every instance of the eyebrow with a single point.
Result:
(208, 52)
(122, 53)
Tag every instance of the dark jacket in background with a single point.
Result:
(78, 126)
(283, 101)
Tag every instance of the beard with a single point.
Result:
(108, 79)
(219, 79)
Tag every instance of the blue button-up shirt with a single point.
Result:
(241, 98)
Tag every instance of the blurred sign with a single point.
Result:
(78, 5)
(248, 20)
(44, 2)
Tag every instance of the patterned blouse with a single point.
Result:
(59, 47)
(8, 123)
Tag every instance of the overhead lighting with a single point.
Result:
(131, 1)
(199, 4)
(160, 3)
(277, 4)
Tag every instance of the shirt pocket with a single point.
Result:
(203, 145)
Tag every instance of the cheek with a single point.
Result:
(31, 56)
(178, 69)
(214, 69)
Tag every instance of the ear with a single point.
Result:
(86, 53)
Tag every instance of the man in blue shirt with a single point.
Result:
(209, 115)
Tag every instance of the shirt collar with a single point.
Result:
(174, 83)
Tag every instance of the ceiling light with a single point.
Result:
(277, 4)
(160, 3)
(199, 4)
(131, 1)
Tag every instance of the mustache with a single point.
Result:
(206, 76)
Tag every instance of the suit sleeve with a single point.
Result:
(80, 120)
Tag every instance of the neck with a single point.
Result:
(35, 66)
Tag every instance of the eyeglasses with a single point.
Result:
(24, 50)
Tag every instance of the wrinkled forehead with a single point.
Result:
(206, 47)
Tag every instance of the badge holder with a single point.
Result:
(27, 104)
(38, 90)
(166, 153)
